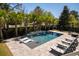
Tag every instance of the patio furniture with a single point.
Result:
(23, 39)
(65, 46)
(65, 42)
(61, 46)
(69, 40)
(74, 35)
(29, 40)
(57, 50)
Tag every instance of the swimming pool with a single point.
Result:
(43, 37)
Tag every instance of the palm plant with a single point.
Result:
(18, 21)
(47, 17)
(72, 21)
(7, 8)
(45, 22)
(26, 21)
(15, 18)
(13, 21)
(35, 15)
(2, 22)
(33, 19)
(39, 22)
(55, 22)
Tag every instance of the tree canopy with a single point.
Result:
(63, 19)
(38, 18)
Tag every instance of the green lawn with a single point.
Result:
(4, 50)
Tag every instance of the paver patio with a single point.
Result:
(21, 49)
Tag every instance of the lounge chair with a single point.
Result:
(69, 40)
(23, 39)
(56, 52)
(29, 40)
(57, 49)
(62, 46)
(74, 35)
(65, 42)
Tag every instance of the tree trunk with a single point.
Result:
(34, 26)
(16, 30)
(26, 27)
(40, 27)
(45, 27)
(49, 27)
(1, 34)
(7, 25)
(25, 24)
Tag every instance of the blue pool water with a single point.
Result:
(44, 37)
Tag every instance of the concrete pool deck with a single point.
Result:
(21, 49)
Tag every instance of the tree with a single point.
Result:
(39, 22)
(7, 8)
(75, 13)
(47, 19)
(35, 14)
(2, 22)
(15, 19)
(16, 16)
(72, 21)
(38, 11)
(26, 18)
(34, 20)
(50, 20)
(55, 22)
(63, 19)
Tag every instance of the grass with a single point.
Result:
(4, 50)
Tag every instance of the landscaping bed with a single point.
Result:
(4, 50)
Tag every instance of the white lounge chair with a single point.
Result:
(58, 49)
(23, 39)
(66, 41)
(29, 40)
(70, 37)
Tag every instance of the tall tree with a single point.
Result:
(2, 22)
(73, 22)
(35, 15)
(75, 13)
(38, 11)
(48, 19)
(15, 19)
(63, 19)
(7, 8)
(55, 22)
(25, 20)
(39, 22)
